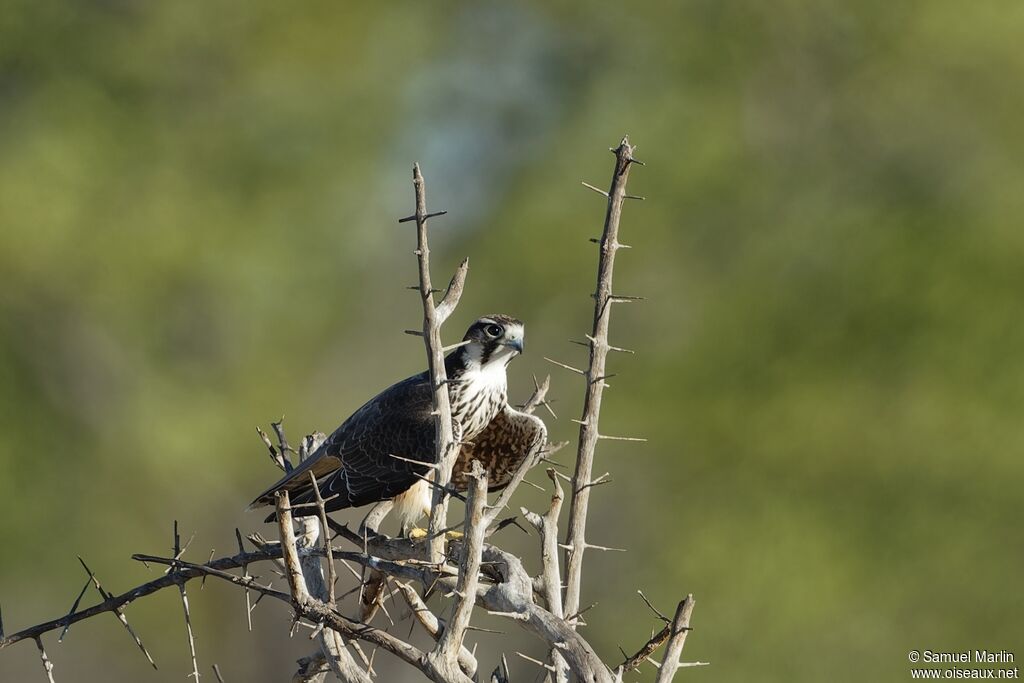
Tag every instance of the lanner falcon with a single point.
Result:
(355, 465)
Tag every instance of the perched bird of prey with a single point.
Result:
(374, 454)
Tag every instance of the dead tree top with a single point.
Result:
(469, 573)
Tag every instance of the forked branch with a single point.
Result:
(445, 446)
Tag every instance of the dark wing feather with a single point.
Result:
(354, 466)
(509, 439)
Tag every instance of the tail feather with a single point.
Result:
(298, 481)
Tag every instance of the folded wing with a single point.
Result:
(355, 465)
(509, 439)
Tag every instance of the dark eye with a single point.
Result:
(493, 330)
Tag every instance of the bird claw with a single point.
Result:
(418, 534)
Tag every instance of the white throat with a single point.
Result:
(490, 372)
(481, 391)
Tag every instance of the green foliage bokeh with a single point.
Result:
(198, 207)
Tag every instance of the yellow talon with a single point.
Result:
(418, 534)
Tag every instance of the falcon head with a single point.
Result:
(494, 338)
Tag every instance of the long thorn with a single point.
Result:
(74, 608)
(563, 365)
(621, 438)
(409, 219)
(245, 574)
(653, 608)
(118, 612)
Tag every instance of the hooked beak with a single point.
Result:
(516, 344)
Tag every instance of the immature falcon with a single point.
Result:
(355, 465)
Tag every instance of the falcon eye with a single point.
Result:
(493, 330)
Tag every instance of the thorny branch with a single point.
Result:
(305, 578)
(547, 526)
(331, 651)
(486, 577)
(576, 541)
(443, 660)
(432, 625)
(445, 446)
(178, 551)
(679, 628)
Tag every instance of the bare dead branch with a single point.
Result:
(633, 662)
(310, 443)
(651, 606)
(189, 633)
(178, 552)
(445, 447)
(513, 594)
(282, 442)
(245, 572)
(454, 292)
(312, 668)
(313, 610)
(332, 576)
(278, 458)
(339, 660)
(539, 663)
(539, 395)
(299, 577)
(113, 603)
(680, 627)
(306, 584)
(293, 568)
(588, 435)
(547, 526)
(432, 625)
(117, 612)
(47, 664)
(444, 657)
(367, 661)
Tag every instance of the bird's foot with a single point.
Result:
(418, 534)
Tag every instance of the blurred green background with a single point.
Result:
(198, 207)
